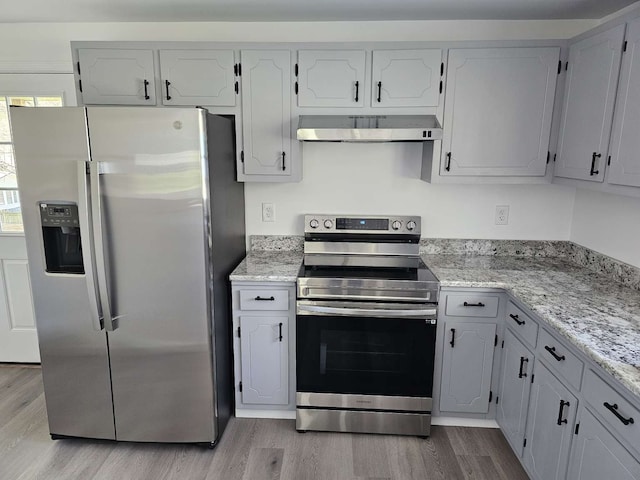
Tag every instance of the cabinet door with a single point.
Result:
(549, 426)
(266, 112)
(466, 367)
(331, 78)
(513, 395)
(498, 110)
(588, 105)
(198, 77)
(598, 455)
(625, 143)
(264, 359)
(406, 78)
(117, 76)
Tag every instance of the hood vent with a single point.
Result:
(369, 128)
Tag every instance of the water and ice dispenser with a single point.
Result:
(61, 235)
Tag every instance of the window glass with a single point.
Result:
(5, 133)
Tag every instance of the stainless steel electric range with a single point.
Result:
(366, 327)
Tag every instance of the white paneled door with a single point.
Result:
(18, 337)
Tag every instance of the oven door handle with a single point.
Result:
(373, 312)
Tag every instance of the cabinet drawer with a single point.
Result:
(469, 305)
(264, 300)
(560, 359)
(522, 324)
(597, 392)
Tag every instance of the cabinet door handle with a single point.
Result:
(357, 90)
(166, 84)
(521, 373)
(479, 304)
(263, 299)
(283, 165)
(561, 410)
(447, 165)
(552, 351)
(280, 331)
(593, 172)
(453, 338)
(146, 93)
(379, 92)
(614, 409)
(516, 318)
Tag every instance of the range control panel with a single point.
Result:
(361, 224)
(59, 215)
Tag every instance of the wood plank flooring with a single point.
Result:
(250, 449)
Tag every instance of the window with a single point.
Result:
(10, 213)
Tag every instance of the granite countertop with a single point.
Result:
(597, 315)
(268, 266)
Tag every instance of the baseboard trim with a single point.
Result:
(464, 422)
(287, 414)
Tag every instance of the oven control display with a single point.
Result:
(362, 223)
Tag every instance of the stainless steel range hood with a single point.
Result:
(373, 128)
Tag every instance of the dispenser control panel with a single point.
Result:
(59, 215)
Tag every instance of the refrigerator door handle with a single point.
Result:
(87, 245)
(110, 322)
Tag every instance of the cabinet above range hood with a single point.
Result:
(369, 128)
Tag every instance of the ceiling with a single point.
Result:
(301, 10)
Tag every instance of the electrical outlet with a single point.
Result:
(268, 212)
(502, 215)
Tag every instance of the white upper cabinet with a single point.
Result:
(198, 77)
(116, 76)
(266, 112)
(331, 78)
(588, 105)
(625, 142)
(498, 110)
(406, 78)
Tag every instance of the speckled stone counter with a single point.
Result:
(268, 266)
(597, 315)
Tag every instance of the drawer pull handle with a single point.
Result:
(167, 84)
(479, 304)
(357, 90)
(562, 405)
(552, 351)
(517, 319)
(262, 299)
(453, 337)
(379, 92)
(521, 373)
(280, 331)
(145, 82)
(614, 409)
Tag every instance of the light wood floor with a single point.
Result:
(249, 450)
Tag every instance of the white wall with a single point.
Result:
(45, 46)
(384, 179)
(608, 223)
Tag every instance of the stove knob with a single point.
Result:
(328, 224)
(411, 225)
(314, 223)
(396, 224)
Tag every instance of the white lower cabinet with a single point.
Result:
(550, 424)
(598, 455)
(513, 394)
(264, 348)
(265, 360)
(466, 366)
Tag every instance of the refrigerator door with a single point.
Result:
(152, 175)
(51, 149)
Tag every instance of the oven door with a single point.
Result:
(365, 348)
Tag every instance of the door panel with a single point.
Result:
(75, 365)
(588, 105)
(153, 222)
(466, 367)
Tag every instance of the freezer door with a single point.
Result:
(50, 146)
(150, 164)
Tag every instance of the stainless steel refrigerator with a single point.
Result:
(133, 221)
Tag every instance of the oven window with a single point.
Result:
(368, 356)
